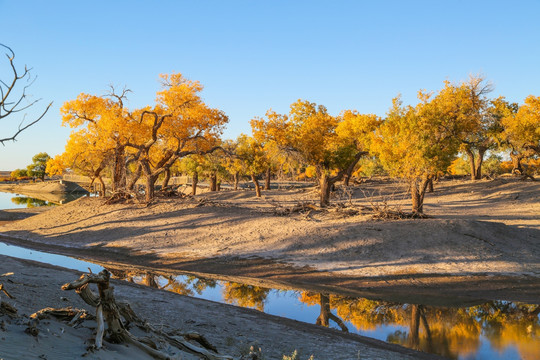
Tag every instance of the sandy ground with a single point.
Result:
(232, 330)
(478, 231)
(482, 241)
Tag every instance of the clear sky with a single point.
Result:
(256, 55)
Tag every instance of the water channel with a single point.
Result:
(492, 330)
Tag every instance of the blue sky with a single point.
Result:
(256, 55)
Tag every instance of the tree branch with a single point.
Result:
(21, 129)
(9, 107)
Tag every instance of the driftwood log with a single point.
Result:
(3, 290)
(110, 312)
(6, 308)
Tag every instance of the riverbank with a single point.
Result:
(482, 241)
(43, 187)
(232, 330)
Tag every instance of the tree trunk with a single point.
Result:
(236, 177)
(267, 179)
(347, 174)
(414, 329)
(346, 179)
(149, 187)
(102, 192)
(326, 187)
(476, 163)
(324, 318)
(166, 179)
(415, 194)
(326, 315)
(430, 185)
(213, 182)
(150, 280)
(257, 186)
(218, 186)
(479, 162)
(194, 182)
(418, 191)
(422, 310)
(92, 187)
(472, 164)
(136, 176)
(517, 168)
(119, 174)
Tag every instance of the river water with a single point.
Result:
(492, 330)
(18, 201)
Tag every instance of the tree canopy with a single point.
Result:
(38, 166)
(110, 135)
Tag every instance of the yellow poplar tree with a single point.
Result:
(253, 158)
(522, 131)
(104, 119)
(356, 130)
(310, 132)
(415, 143)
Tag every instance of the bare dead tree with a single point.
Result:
(13, 102)
(112, 313)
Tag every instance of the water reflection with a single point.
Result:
(15, 200)
(325, 315)
(493, 330)
(184, 285)
(450, 332)
(245, 295)
(30, 202)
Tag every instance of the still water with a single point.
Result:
(18, 201)
(492, 330)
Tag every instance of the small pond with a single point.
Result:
(492, 330)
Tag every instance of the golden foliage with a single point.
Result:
(522, 129)
(178, 124)
(245, 295)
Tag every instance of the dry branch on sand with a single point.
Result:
(377, 211)
(301, 207)
(112, 312)
(120, 197)
(117, 316)
(5, 308)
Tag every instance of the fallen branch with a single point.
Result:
(302, 208)
(120, 197)
(68, 313)
(2, 289)
(7, 309)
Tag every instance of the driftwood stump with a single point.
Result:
(110, 312)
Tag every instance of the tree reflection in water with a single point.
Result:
(452, 332)
(29, 202)
(245, 295)
(324, 302)
(185, 285)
